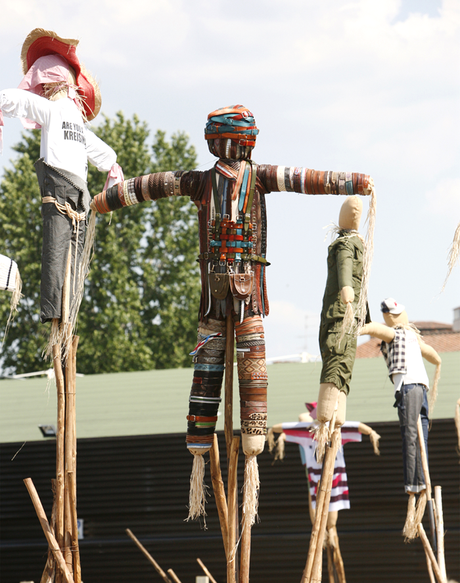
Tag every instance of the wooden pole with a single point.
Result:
(426, 473)
(429, 553)
(430, 570)
(440, 531)
(50, 566)
(70, 485)
(52, 542)
(60, 438)
(330, 564)
(173, 576)
(232, 497)
(149, 557)
(206, 572)
(245, 554)
(338, 561)
(219, 491)
(229, 349)
(322, 509)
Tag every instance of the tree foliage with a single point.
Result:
(142, 294)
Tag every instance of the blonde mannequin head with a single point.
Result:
(350, 213)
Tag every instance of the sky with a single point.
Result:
(359, 86)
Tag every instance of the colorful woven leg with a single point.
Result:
(209, 356)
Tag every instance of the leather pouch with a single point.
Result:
(241, 285)
(219, 285)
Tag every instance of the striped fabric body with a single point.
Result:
(302, 434)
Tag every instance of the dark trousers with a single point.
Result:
(412, 404)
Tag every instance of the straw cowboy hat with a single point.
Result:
(40, 43)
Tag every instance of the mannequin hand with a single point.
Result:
(347, 294)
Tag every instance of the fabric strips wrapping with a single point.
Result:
(252, 376)
(204, 401)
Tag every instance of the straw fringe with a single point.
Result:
(321, 436)
(457, 425)
(409, 530)
(251, 489)
(415, 515)
(454, 254)
(198, 490)
(14, 303)
(433, 392)
(361, 310)
(276, 447)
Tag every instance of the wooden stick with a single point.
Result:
(426, 473)
(219, 491)
(206, 572)
(440, 531)
(52, 542)
(149, 557)
(50, 566)
(245, 554)
(330, 564)
(429, 553)
(60, 438)
(174, 577)
(69, 453)
(232, 497)
(338, 561)
(70, 485)
(322, 509)
(229, 349)
(430, 570)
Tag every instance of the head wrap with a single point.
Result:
(235, 122)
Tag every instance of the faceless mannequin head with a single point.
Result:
(350, 213)
(305, 418)
(393, 313)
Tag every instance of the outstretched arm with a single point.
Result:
(429, 353)
(373, 436)
(379, 331)
(308, 181)
(151, 187)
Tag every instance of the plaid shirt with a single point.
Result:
(394, 353)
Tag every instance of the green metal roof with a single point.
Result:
(156, 402)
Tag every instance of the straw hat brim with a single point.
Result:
(41, 42)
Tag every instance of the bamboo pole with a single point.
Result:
(440, 531)
(173, 576)
(426, 473)
(322, 510)
(429, 553)
(206, 571)
(149, 557)
(70, 485)
(232, 497)
(229, 349)
(60, 438)
(219, 491)
(52, 542)
(68, 455)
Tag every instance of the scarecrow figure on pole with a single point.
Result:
(404, 350)
(233, 260)
(59, 96)
(303, 433)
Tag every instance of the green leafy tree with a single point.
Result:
(142, 294)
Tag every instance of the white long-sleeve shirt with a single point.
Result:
(66, 142)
